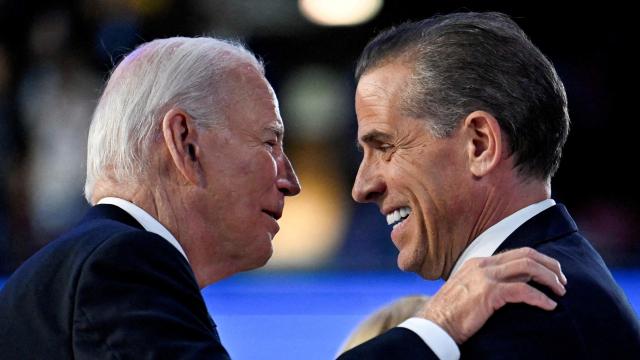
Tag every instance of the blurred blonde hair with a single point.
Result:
(384, 319)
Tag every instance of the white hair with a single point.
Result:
(185, 73)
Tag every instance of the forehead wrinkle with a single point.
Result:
(375, 90)
(377, 101)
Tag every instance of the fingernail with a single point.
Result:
(553, 304)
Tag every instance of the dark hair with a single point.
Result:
(464, 62)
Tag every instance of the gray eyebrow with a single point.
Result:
(276, 129)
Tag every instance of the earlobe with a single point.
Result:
(181, 139)
(484, 142)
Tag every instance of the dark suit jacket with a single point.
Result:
(107, 289)
(594, 319)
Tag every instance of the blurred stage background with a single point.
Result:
(333, 259)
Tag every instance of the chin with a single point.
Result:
(408, 263)
(262, 256)
(418, 265)
(267, 256)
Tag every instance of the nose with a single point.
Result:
(287, 181)
(369, 185)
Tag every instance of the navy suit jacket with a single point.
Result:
(107, 289)
(593, 320)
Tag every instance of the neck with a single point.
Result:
(174, 213)
(505, 199)
(140, 195)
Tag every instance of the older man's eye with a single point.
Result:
(270, 144)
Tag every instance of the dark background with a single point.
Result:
(55, 56)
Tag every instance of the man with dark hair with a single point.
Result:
(462, 121)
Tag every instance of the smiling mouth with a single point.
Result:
(398, 216)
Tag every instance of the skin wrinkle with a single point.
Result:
(217, 209)
(482, 219)
(439, 208)
(405, 164)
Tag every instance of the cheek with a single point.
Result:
(411, 175)
(259, 171)
(267, 167)
(432, 175)
(273, 166)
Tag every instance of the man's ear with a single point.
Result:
(181, 138)
(484, 142)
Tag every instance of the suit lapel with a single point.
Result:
(548, 225)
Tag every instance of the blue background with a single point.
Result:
(287, 315)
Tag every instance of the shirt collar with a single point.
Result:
(489, 241)
(147, 221)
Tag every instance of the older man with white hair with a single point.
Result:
(187, 177)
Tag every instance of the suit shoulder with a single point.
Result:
(59, 264)
(593, 319)
(138, 249)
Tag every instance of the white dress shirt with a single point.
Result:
(147, 221)
(484, 245)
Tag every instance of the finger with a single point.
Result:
(527, 252)
(523, 293)
(525, 269)
(551, 263)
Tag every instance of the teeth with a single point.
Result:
(391, 218)
(397, 215)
